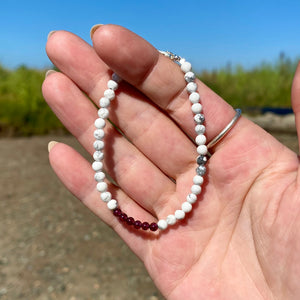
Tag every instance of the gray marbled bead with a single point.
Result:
(201, 160)
(201, 170)
(116, 78)
(189, 76)
(199, 119)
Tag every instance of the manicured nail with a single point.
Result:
(49, 72)
(51, 145)
(50, 33)
(94, 28)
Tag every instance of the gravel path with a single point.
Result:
(51, 246)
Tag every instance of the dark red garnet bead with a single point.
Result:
(123, 217)
(130, 221)
(145, 226)
(137, 224)
(153, 226)
(117, 212)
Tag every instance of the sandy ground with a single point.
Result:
(51, 246)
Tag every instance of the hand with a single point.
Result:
(241, 241)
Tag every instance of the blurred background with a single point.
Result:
(51, 247)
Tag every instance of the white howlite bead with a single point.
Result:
(102, 186)
(113, 85)
(171, 220)
(202, 150)
(191, 87)
(194, 97)
(110, 94)
(99, 134)
(196, 108)
(162, 224)
(112, 204)
(200, 129)
(189, 76)
(105, 196)
(99, 176)
(191, 198)
(198, 179)
(104, 102)
(186, 67)
(98, 145)
(182, 60)
(115, 77)
(97, 166)
(200, 139)
(186, 207)
(179, 214)
(98, 155)
(196, 189)
(103, 113)
(100, 123)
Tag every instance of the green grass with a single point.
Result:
(23, 111)
(267, 85)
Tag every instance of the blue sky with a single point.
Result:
(208, 33)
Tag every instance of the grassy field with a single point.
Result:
(23, 110)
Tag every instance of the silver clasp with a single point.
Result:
(171, 55)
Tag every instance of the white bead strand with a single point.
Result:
(200, 139)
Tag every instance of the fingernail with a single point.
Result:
(50, 33)
(49, 72)
(51, 145)
(94, 28)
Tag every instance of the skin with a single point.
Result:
(242, 239)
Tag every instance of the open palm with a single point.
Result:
(242, 240)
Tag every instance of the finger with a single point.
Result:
(66, 163)
(122, 160)
(158, 137)
(159, 78)
(296, 100)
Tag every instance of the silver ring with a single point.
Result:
(219, 137)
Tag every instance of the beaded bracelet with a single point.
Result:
(103, 113)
